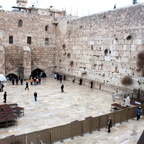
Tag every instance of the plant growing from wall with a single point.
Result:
(127, 80)
(140, 55)
(105, 52)
(84, 73)
(104, 16)
(140, 62)
(63, 46)
(71, 63)
(68, 55)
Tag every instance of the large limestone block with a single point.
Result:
(137, 41)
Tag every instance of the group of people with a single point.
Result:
(35, 80)
(5, 96)
(80, 82)
(1, 86)
(16, 81)
(138, 113)
(60, 77)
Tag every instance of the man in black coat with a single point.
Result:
(109, 124)
(26, 86)
(17, 81)
(13, 81)
(91, 84)
(62, 88)
(5, 97)
(21, 81)
(80, 81)
(2, 86)
(60, 78)
(35, 96)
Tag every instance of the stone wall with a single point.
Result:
(2, 60)
(102, 47)
(33, 25)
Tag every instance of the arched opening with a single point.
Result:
(38, 72)
(11, 75)
(20, 23)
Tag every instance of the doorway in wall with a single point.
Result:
(11, 75)
(38, 72)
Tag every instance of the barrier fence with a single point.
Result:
(76, 128)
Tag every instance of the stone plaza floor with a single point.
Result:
(54, 108)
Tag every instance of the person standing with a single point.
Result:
(10, 77)
(2, 86)
(62, 88)
(13, 81)
(64, 77)
(61, 78)
(26, 86)
(39, 79)
(138, 112)
(55, 75)
(127, 101)
(5, 97)
(31, 81)
(109, 124)
(21, 81)
(73, 79)
(91, 84)
(34, 81)
(35, 96)
(80, 81)
(17, 81)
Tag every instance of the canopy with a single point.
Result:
(2, 77)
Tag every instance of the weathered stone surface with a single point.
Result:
(103, 46)
(119, 31)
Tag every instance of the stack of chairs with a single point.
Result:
(2, 118)
(9, 114)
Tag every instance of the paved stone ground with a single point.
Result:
(54, 108)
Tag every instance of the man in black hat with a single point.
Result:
(62, 88)
(5, 97)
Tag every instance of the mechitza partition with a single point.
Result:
(76, 128)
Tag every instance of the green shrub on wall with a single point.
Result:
(127, 80)
(140, 62)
